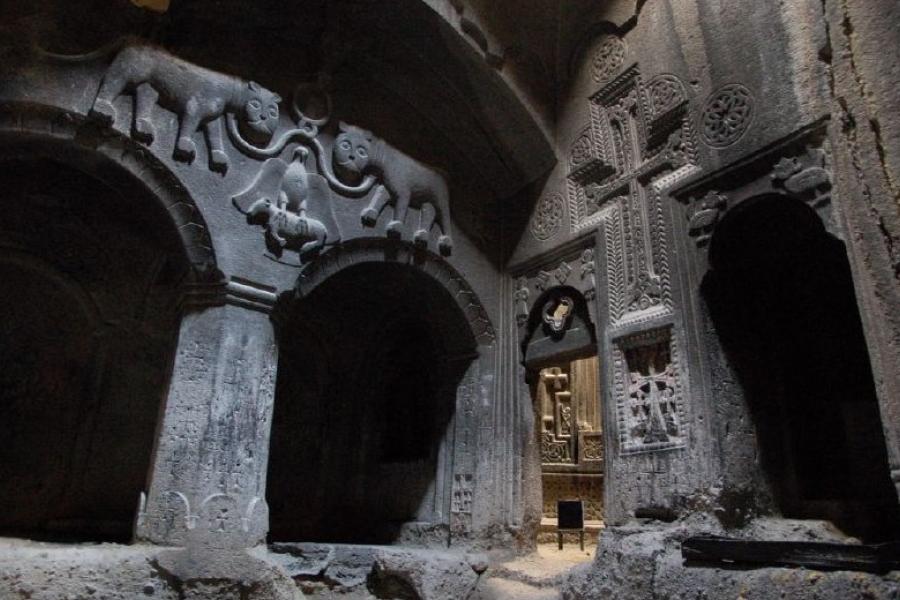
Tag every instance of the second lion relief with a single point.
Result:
(361, 186)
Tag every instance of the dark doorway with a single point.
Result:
(87, 332)
(781, 297)
(368, 370)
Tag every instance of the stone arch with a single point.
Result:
(407, 340)
(385, 251)
(780, 297)
(28, 131)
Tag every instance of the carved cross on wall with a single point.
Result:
(638, 134)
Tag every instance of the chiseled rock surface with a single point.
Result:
(43, 571)
(644, 562)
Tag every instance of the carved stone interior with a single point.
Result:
(367, 381)
(87, 334)
(336, 299)
(567, 401)
(783, 303)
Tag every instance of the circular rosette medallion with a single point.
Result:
(727, 115)
(548, 217)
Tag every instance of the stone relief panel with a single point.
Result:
(608, 58)
(198, 96)
(548, 217)
(281, 198)
(648, 392)
(296, 215)
(727, 114)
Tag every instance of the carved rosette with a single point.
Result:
(608, 58)
(727, 114)
(548, 217)
(650, 413)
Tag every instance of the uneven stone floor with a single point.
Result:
(639, 562)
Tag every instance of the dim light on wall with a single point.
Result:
(159, 6)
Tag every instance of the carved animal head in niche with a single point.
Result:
(352, 151)
(261, 109)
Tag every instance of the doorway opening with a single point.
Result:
(362, 447)
(781, 297)
(570, 436)
(88, 325)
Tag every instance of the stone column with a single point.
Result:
(208, 476)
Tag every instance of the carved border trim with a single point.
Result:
(56, 125)
(383, 251)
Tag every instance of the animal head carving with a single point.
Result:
(261, 109)
(352, 151)
(260, 212)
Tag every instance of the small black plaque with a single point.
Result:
(571, 514)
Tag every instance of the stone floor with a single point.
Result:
(536, 576)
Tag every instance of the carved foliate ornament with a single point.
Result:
(727, 114)
(805, 177)
(706, 216)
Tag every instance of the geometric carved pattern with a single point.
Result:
(648, 392)
(608, 57)
(727, 114)
(548, 217)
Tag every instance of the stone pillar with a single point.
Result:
(208, 476)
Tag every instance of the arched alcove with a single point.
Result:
(782, 301)
(91, 277)
(362, 437)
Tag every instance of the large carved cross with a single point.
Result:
(638, 133)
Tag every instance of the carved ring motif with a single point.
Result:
(548, 217)
(727, 115)
(608, 57)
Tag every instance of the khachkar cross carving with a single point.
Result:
(648, 394)
(652, 404)
(639, 142)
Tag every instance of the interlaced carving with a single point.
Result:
(548, 217)
(727, 114)
(608, 58)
